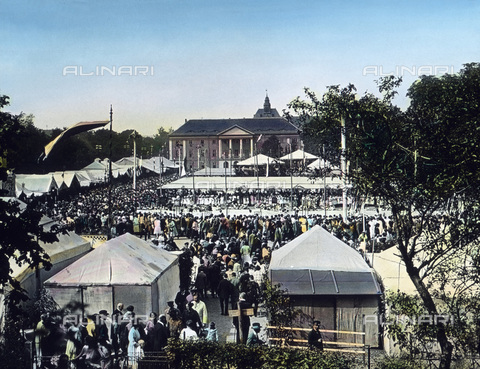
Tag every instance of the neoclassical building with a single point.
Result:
(212, 143)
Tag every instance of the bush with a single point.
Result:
(397, 362)
(202, 354)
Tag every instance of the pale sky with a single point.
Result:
(215, 59)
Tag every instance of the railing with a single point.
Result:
(154, 360)
(292, 340)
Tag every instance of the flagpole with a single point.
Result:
(110, 220)
(134, 136)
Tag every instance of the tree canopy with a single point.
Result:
(424, 164)
(20, 231)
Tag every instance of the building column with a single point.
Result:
(230, 151)
(219, 151)
(184, 151)
(251, 146)
(170, 149)
(241, 148)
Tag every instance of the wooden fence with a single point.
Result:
(295, 338)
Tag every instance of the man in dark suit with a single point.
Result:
(242, 304)
(315, 340)
(223, 291)
(160, 334)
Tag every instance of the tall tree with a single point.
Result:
(424, 163)
(20, 231)
(271, 147)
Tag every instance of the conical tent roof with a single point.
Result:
(317, 262)
(318, 249)
(125, 260)
(259, 159)
(298, 155)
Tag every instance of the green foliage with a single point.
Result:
(19, 236)
(403, 323)
(278, 305)
(398, 362)
(21, 144)
(13, 349)
(271, 147)
(20, 231)
(198, 355)
(421, 163)
(44, 303)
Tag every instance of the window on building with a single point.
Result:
(236, 153)
(201, 142)
(190, 142)
(214, 153)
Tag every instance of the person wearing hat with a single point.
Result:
(104, 326)
(253, 339)
(242, 304)
(315, 340)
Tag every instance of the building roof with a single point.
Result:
(213, 127)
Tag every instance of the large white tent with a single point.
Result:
(66, 179)
(299, 155)
(124, 269)
(34, 184)
(329, 281)
(98, 170)
(260, 160)
(153, 164)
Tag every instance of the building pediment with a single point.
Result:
(236, 131)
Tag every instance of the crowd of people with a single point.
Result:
(87, 210)
(227, 269)
(230, 255)
(88, 213)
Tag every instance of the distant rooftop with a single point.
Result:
(212, 127)
(265, 121)
(267, 111)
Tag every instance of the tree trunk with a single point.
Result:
(442, 339)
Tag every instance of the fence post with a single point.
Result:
(368, 353)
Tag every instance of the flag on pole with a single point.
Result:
(71, 131)
(259, 137)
